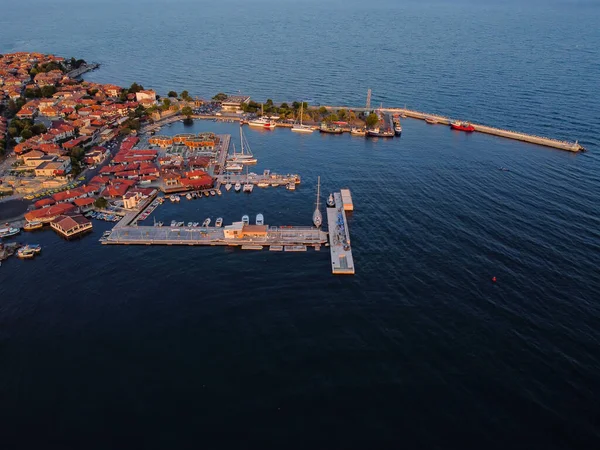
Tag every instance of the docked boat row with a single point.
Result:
(260, 219)
(149, 210)
(103, 216)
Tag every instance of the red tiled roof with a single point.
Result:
(83, 201)
(44, 202)
(49, 212)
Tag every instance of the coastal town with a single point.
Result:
(79, 150)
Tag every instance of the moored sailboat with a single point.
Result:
(317, 217)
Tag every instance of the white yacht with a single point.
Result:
(260, 220)
(219, 222)
(238, 187)
(317, 217)
(245, 219)
(188, 196)
(228, 187)
(10, 231)
(206, 222)
(291, 186)
(298, 127)
(233, 167)
(248, 187)
(262, 183)
(245, 156)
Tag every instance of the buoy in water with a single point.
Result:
(493, 279)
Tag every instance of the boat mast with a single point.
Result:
(301, 105)
(318, 190)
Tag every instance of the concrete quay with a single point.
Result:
(166, 235)
(515, 135)
(83, 69)
(342, 262)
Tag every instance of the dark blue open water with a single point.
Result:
(139, 347)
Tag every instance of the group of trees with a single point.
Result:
(133, 89)
(47, 67)
(76, 154)
(25, 128)
(220, 97)
(45, 92)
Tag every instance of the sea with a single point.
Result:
(109, 347)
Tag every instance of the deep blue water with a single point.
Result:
(113, 347)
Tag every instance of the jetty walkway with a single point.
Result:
(516, 135)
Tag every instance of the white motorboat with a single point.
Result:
(233, 167)
(206, 222)
(245, 219)
(248, 187)
(195, 224)
(262, 184)
(173, 223)
(219, 192)
(190, 224)
(260, 220)
(228, 187)
(188, 196)
(330, 201)
(291, 186)
(10, 231)
(317, 217)
(262, 122)
(238, 187)
(212, 193)
(219, 222)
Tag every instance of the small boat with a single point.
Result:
(330, 201)
(238, 187)
(190, 224)
(179, 224)
(172, 198)
(212, 193)
(504, 169)
(173, 223)
(397, 126)
(37, 248)
(206, 222)
(234, 167)
(29, 226)
(378, 132)
(218, 191)
(248, 187)
(431, 120)
(159, 224)
(263, 184)
(219, 222)
(260, 220)
(195, 224)
(291, 186)
(331, 129)
(462, 126)
(194, 195)
(10, 231)
(188, 196)
(275, 184)
(25, 253)
(206, 194)
(245, 219)
(358, 131)
(228, 187)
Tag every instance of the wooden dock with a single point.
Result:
(342, 262)
(515, 135)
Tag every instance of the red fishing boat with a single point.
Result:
(462, 126)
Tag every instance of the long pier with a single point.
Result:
(515, 135)
(342, 261)
(82, 69)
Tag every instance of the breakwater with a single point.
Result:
(83, 69)
(509, 134)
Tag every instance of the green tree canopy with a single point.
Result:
(220, 97)
(135, 88)
(48, 91)
(101, 202)
(372, 120)
(187, 111)
(185, 95)
(172, 94)
(26, 133)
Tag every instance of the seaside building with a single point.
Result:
(71, 225)
(233, 103)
